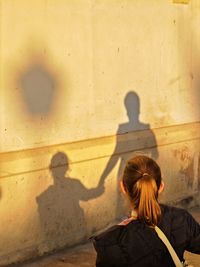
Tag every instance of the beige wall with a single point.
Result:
(75, 75)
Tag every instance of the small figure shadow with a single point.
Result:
(61, 216)
(132, 105)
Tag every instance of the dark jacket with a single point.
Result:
(136, 244)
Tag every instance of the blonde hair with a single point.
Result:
(141, 180)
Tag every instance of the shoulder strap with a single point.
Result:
(172, 252)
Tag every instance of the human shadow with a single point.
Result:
(61, 216)
(124, 148)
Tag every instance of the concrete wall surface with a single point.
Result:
(85, 85)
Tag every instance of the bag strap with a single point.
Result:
(172, 252)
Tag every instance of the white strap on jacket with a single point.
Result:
(172, 252)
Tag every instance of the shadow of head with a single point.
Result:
(38, 88)
(59, 166)
(132, 104)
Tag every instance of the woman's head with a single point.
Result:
(142, 181)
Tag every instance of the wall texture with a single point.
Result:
(84, 85)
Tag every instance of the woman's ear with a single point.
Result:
(122, 188)
(161, 188)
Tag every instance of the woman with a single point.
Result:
(134, 242)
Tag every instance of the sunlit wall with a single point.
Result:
(84, 85)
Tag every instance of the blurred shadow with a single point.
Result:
(61, 216)
(38, 88)
(132, 105)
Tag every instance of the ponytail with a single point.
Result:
(148, 208)
(142, 180)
